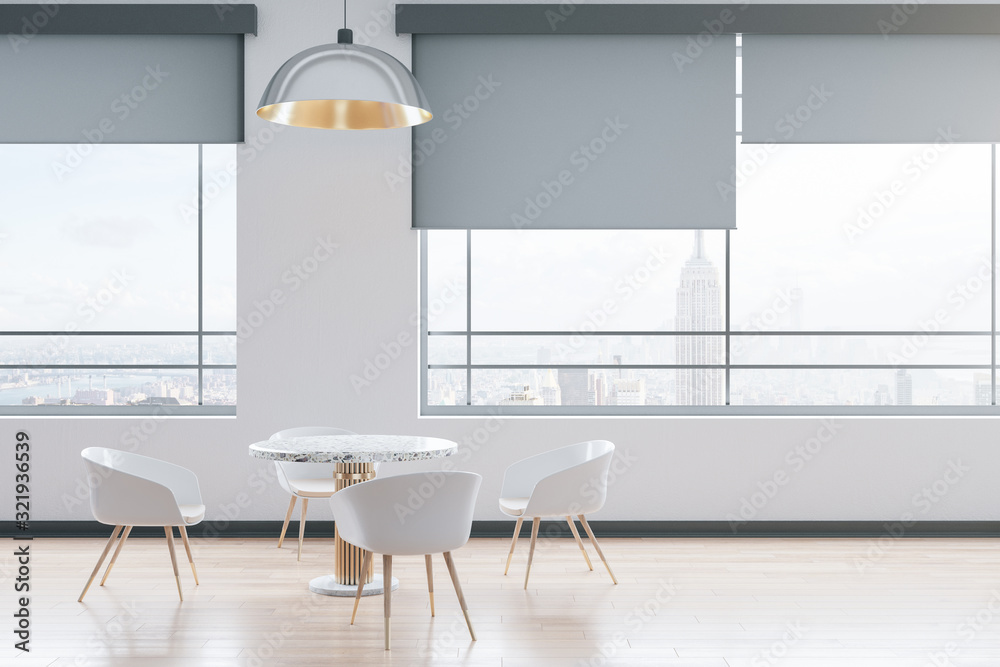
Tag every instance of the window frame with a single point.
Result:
(728, 334)
(158, 411)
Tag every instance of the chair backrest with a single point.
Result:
(135, 490)
(287, 471)
(565, 481)
(415, 514)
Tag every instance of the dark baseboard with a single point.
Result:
(270, 529)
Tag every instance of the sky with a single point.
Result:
(100, 238)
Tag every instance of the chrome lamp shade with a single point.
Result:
(344, 86)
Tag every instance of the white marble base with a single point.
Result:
(327, 585)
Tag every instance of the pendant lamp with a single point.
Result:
(344, 86)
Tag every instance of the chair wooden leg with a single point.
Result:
(597, 547)
(302, 524)
(430, 580)
(100, 561)
(579, 542)
(458, 589)
(187, 548)
(169, 532)
(531, 550)
(387, 594)
(288, 517)
(513, 542)
(118, 550)
(361, 583)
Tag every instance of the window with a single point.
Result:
(859, 281)
(118, 289)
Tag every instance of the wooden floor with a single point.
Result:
(697, 602)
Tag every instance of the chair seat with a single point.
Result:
(313, 488)
(513, 506)
(192, 513)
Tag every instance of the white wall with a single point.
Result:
(295, 368)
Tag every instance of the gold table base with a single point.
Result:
(348, 558)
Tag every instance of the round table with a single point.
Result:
(354, 457)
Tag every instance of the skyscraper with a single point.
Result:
(904, 388)
(628, 392)
(699, 308)
(573, 386)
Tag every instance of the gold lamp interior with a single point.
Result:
(344, 114)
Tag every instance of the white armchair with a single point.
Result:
(568, 481)
(305, 480)
(128, 490)
(368, 516)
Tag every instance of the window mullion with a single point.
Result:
(201, 293)
(468, 317)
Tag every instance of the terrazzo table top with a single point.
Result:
(353, 448)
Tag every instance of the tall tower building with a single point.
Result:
(628, 392)
(574, 387)
(904, 388)
(699, 308)
(597, 389)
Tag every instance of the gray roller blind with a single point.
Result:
(574, 131)
(870, 88)
(64, 88)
